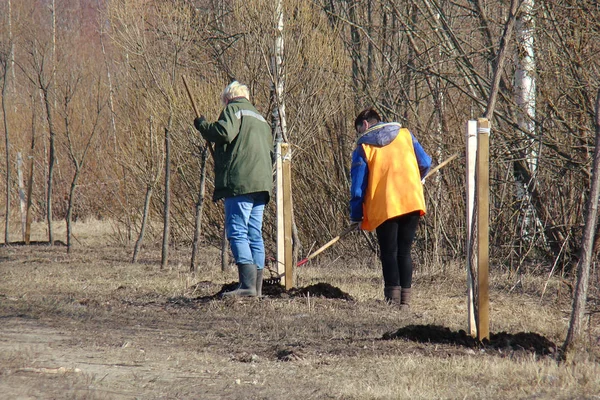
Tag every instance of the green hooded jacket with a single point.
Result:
(243, 149)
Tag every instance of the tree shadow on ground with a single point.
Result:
(33, 243)
(503, 341)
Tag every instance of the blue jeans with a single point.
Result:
(243, 225)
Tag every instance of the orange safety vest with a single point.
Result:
(394, 184)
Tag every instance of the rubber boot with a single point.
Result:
(405, 299)
(392, 294)
(259, 282)
(247, 288)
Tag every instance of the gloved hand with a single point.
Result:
(198, 121)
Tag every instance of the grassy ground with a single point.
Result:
(90, 325)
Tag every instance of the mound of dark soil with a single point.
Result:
(272, 288)
(321, 290)
(522, 341)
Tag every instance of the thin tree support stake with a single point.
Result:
(471, 158)
(287, 215)
(483, 211)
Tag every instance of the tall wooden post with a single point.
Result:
(283, 199)
(471, 158)
(280, 256)
(287, 215)
(483, 211)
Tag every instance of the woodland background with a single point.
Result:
(93, 102)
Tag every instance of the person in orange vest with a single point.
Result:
(388, 166)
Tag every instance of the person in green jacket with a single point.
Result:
(244, 178)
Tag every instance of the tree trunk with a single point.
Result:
(199, 204)
(51, 162)
(167, 206)
(138, 242)
(526, 100)
(22, 199)
(12, 52)
(500, 60)
(7, 149)
(583, 268)
(355, 49)
(70, 207)
(28, 216)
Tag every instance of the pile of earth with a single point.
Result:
(273, 288)
(503, 341)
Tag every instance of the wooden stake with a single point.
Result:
(287, 214)
(280, 256)
(471, 158)
(483, 211)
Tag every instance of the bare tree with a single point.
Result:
(82, 134)
(167, 199)
(5, 65)
(38, 74)
(583, 268)
(148, 168)
(198, 207)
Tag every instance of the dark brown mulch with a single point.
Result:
(522, 341)
(320, 289)
(273, 289)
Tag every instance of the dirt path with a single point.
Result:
(93, 327)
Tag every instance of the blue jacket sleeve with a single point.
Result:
(359, 174)
(423, 159)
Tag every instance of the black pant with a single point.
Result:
(395, 238)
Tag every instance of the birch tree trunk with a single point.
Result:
(280, 129)
(525, 97)
(583, 268)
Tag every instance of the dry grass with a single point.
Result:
(123, 331)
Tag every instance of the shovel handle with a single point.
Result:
(187, 89)
(440, 165)
(328, 244)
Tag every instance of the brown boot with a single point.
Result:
(392, 294)
(405, 299)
